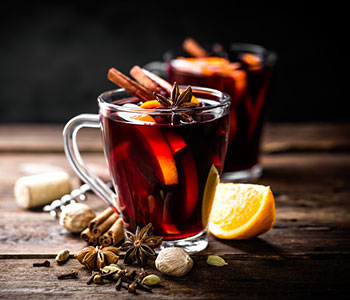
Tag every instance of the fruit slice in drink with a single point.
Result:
(156, 142)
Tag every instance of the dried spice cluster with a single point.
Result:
(123, 278)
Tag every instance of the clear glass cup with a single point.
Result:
(247, 81)
(164, 167)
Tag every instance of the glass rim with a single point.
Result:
(224, 100)
(269, 56)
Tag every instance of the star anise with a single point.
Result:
(97, 257)
(178, 100)
(139, 246)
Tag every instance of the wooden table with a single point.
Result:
(306, 255)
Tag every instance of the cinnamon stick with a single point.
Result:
(142, 78)
(103, 227)
(114, 235)
(117, 231)
(158, 80)
(88, 238)
(129, 85)
(100, 218)
(193, 48)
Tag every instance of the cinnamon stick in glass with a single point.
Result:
(129, 85)
(193, 48)
(142, 78)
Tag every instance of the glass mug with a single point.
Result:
(246, 80)
(164, 168)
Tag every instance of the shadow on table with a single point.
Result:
(253, 246)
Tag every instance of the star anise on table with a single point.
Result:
(139, 246)
(178, 100)
(98, 257)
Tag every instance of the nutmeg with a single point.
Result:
(174, 261)
(75, 217)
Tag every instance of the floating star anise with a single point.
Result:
(97, 257)
(178, 99)
(139, 246)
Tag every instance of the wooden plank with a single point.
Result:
(277, 138)
(312, 207)
(262, 277)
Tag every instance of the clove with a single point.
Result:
(46, 263)
(72, 275)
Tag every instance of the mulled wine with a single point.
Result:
(160, 164)
(244, 73)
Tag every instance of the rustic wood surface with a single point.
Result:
(305, 256)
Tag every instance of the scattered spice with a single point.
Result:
(215, 260)
(151, 280)
(174, 261)
(97, 257)
(46, 263)
(124, 278)
(62, 256)
(72, 275)
(97, 279)
(139, 246)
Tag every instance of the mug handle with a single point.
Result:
(73, 155)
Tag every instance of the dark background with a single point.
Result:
(54, 57)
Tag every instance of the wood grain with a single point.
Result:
(305, 256)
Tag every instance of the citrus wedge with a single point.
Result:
(209, 193)
(241, 211)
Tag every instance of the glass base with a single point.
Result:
(191, 244)
(253, 173)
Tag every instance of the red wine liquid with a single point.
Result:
(247, 91)
(160, 169)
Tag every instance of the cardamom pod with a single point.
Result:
(215, 260)
(151, 280)
(62, 256)
(111, 268)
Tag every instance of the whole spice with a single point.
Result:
(139, 246)
(72, 275)
(46, 263)
(151, 280)
(75, 217)
(174, 261)
(178, 100)
(97, 279)
(215, 260)
(97, 257)
(62, 256)
(132, 287)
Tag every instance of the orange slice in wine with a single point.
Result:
(150, 104)
(158, 145)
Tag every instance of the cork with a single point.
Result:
(41, 189)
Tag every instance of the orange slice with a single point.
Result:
(162, 152)
(241, 211)
(157, 143)
(252, 60)
(209, 193)
(175, 141)
(150, 104)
